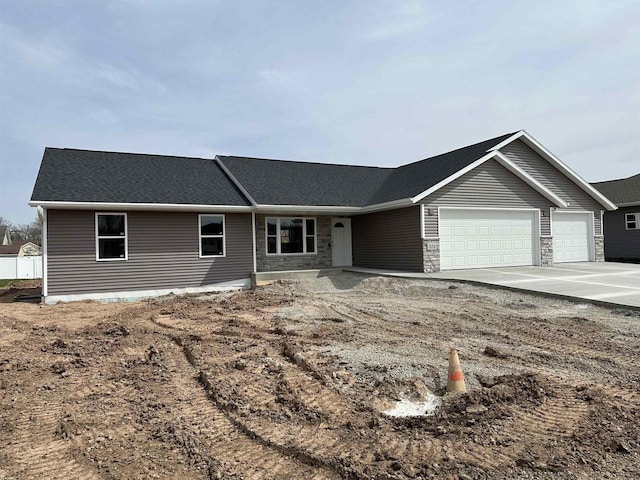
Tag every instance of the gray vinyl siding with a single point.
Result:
(552, 178)
(389, 239)
(163, 253)
(488, 185)
(620, 243)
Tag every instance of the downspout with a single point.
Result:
(44, 254)
(254, 205)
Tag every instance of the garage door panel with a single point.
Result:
(486, 238)
(571, 232)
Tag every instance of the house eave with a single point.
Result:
(161, 207)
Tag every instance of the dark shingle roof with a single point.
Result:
(70, 175)
(282, 182)
(414, 178)
(624, 190)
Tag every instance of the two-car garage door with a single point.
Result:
(477, 238)
(472, 238)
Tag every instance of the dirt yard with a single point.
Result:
(291, 381)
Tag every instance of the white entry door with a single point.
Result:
(571, 236)
(487, 238)
(341, 242)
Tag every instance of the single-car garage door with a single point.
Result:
(486, 238)
(571, 232)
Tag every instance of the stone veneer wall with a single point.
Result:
(546, 251)
(274, 263)
(599, 248)
(431, 255)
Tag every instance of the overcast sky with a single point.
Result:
(359, 82)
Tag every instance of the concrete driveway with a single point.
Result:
(615, 283)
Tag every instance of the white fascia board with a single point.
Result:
(165, 207)
(334, 209)
(453, 177)
(533, 183)
(628, 204)
(235, 180)
(305, 208)
(555, 161)
(403, 202)
(513, 137)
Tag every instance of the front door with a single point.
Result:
(341, 242)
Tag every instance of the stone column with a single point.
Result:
(546, 251)
(598, 242)
(431, 254)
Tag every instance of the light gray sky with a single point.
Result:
(360, 82)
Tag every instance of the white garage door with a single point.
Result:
(571, 232)
(486, 238)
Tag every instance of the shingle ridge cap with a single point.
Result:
(129, 153)
(304, 162)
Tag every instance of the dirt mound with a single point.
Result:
(291, 381)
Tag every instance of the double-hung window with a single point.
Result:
(212, 230)
(290, 236)
(632, 221)
(111, 236)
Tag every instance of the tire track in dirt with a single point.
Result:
(222, 437)
(37, 452)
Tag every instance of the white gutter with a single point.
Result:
(167, 207)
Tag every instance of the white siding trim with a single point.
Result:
(551, 158)
(126, 237)
(304, 236)
(513, 137)
(224, 235)
(451, 178)
(422, 232)
(164, 207)
(513, 168)
(253, 233)
(44, 252)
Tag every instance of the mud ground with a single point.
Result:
(289, 381)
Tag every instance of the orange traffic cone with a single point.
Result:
(456, 379)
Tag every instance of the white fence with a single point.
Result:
(21, 267)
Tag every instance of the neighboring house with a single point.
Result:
(122, 225)
(622, 226)
(26, 249)
(5, 235)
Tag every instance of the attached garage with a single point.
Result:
(572, 234)
(478, 238)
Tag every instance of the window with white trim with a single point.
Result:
(632, 221)
(290, 236)
(111, 236)
(212, 229)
